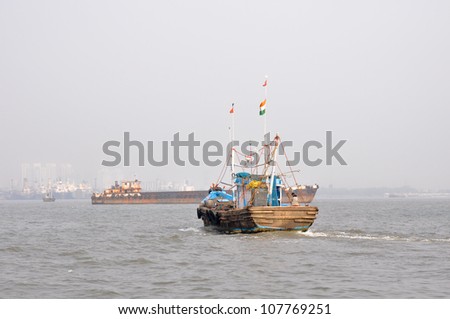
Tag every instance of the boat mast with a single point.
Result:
(265, 114)
(273, 162)
(232, 151)
(232, 140)
(50, 191)
(266, 147)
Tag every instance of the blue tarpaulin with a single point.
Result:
(219, 195)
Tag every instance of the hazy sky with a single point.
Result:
(74, 74)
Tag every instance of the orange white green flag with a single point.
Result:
(262, 107)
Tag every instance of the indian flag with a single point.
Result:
(232, 108)
(262, 107)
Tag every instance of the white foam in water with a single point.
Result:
(346, 235)
(447, 240)
(192, 229)
(314, 234)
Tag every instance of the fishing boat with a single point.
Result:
(258, 202)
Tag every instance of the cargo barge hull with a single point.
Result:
(181, 197)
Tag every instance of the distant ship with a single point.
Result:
(58, 190)
(48, 197)
(130, 192)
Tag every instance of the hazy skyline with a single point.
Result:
(76, 74)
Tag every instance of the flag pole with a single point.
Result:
(266, 146)
(232, 140)
(232, 152)
(265, 115)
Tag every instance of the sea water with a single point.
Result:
(365, 248)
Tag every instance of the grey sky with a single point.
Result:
(74, 74)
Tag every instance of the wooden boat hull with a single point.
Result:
(259, 218)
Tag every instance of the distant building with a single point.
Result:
(26, 174)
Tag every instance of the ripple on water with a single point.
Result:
(74, 253)
(139, 261)
(101, 294)
(12, 249)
